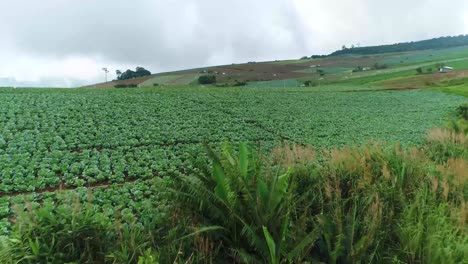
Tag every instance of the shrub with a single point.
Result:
(358, 69)
(131, 85)
(462, 111)
(207, 79)
(240, 83)
(74, 232)
(378, 66)
(64, 234)
(310, 83)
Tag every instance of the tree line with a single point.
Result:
(435, 43)
(129, 74)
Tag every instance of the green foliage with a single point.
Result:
(207, 79)
(129, 74)
(72, 231)
(240, 83)
(257, 209)
(347, 206)
(74, 138)
(367, 204)
(310, 83)
(378, 66)
(67, 233)
(121, 85)
(462, 111)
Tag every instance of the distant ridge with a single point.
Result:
(435, 43)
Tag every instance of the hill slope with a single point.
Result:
(349, 65)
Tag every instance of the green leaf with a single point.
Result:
(244, 159)
(222, 189)
(281, 189)
(202, 230)
(271, 245)
(262, 192)
(307, 242)
(283, 183)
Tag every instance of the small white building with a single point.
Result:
(445, 69)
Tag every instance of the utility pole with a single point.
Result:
(106, 71)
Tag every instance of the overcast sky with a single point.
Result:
(67, 42)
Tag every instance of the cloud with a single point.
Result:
(72, 40)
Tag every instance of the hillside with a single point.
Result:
(350, 65)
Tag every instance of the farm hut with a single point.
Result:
(446, 69)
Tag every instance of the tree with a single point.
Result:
(140, 71)
(419, 70)
(118, 73)
(129, 74)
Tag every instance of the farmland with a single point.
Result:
(79, 138)
(156, 172)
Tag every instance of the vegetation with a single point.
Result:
(240, 83)
(462, 111)
(51, 139)
(436, 43)
(129, 74)
(125, 85)
(310, 83)
(207, 79)
(353, 204)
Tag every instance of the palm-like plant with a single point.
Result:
(253, 207)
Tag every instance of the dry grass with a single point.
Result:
(445, 136)
(289, 155)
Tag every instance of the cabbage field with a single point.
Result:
(114, 140)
